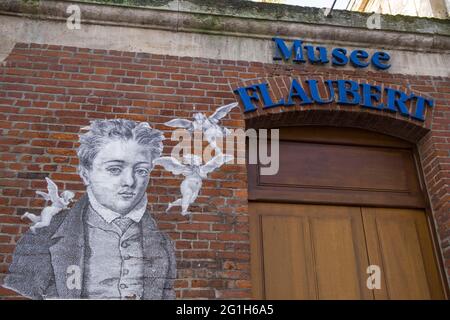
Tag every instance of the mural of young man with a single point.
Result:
(107, 246)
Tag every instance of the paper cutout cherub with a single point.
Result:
(194, 172)
(59, 203)
(209, 125)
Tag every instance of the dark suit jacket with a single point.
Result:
(40, 261)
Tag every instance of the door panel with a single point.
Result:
(342, 171)
(398, 241)
(322, 252)
(308, 252)
(339, 269)
(289, 266)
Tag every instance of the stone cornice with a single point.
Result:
(248, 19)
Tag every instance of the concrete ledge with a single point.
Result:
(228, 31)
(289, 13)
(249, 19)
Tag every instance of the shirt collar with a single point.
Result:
(108, 215)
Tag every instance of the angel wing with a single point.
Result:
(215, 163)
(52, 190)
(222, 112)
(43, 195)
(179, 123)
(173, 165)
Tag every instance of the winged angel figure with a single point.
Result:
(209, 125)
(59, 203)
(194, 172)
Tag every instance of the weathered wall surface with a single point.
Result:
(234, 30)
(54, 80)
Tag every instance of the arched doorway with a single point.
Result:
(344, 200)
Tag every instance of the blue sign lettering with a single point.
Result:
(319, 55)
(339, 57)
(369, 95)
(345, 92)
(286, 53)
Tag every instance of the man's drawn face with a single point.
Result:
(119, 175)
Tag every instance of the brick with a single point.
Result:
(200, 244)
(5, 239)
(198, 294)
(12, 141)
(43, 143)
(243, 284)
(207, 236)
(31, 175)
(10, 192)
(199, 283)
(6, 210)
(193, 226)
(63, 152)
(235, 294)
(8, 229)
(13, 183)
(50, 168)
(65, 176)
(181, 284)
(61, 159)
(41, 159)
(232, 237)
(8, 157)
(188, 235)
(183, 245)
(53, 90)
(19, 202)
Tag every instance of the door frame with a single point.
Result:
(358, 137)
(438, 254)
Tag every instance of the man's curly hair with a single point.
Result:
(102, 131)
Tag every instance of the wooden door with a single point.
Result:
(308, 252)
(323, 252)
(398, 240)
(325, 217)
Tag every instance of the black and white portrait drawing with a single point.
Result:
(106, 245)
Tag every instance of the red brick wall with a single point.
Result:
(48, 92)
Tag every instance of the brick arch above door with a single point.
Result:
(383, 124)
